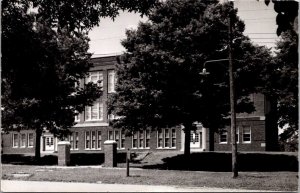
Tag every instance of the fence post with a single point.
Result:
(127, 162)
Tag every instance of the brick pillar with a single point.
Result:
(63, 153)
(110, 153)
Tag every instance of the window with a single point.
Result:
(111, 81)
(141, 139)
(30, 140)
(93, 140)
(101, 111)
(122, 139)
(23, 140)
(223, 136)
(110, 135)
(160, 138)
(15, 140)
(95, 77)
(94, 112)
(173, 138)
(134, 140)
(166, 138)
(99, 139)
(87, 140)
(76, 140)
(72, 141)
(93, 134)
(118, 136)
(147, 145)
(237, 135)
(49, 141)
(246, 134)
(77, 118)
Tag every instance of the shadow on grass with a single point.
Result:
(221, 162)
(202, 161)
(75, 159)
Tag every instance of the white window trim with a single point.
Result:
(77, 118)
(113, 89)
(99, 75)
(238, 135)
(173, 137)
(138, 140)
(13, 142)
(97, 142)
(21, 146)
(85, 141)
(247, 142)
(164, 137)
(100, 112)
(91, 138)
(73, 143)
(223, 142)
(74, 139)
(90, 142)
(28, 140)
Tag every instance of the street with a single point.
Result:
(36, 186)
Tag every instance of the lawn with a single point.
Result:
(280, 181)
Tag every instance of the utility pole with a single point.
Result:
(232, 97)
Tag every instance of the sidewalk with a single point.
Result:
(38, 186)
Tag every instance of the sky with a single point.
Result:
(260, 22)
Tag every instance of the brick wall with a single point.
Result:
(128, 140)
(7, 143)
(257, 137)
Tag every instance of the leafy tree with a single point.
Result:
(158, 81)
(280, 80)
(287, 15)
(44, 55)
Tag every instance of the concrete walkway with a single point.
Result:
(38, 186)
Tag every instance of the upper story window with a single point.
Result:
(95, 77)
(111, 81)
(95, 112)
(77, 117)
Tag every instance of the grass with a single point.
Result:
(277, 181)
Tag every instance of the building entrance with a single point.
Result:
(196, 139)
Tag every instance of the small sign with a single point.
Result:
(263, 144)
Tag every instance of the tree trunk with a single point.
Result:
(271, 125)
(187, 139)
(38, 135)
(211, 139)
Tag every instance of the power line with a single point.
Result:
(246, 10)
(266, 18)
(259, 33)
(108, 38)
(264, 38)
(266, 42)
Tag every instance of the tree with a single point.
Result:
(158, 81)
(280, 82)
(44, 55)
(287, 15)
